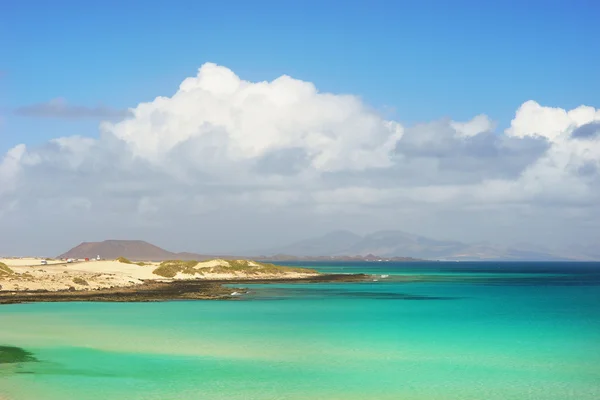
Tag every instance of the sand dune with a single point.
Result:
(28, 274)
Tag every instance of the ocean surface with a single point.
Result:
(459, 331)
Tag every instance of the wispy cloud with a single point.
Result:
(59, 108)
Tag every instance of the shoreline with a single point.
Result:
(35, 275)
(153, 291)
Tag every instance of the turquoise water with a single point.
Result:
(462, 331)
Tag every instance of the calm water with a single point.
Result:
(462, 331)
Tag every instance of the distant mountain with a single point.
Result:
(388, 244)
(346, 246)
(584, 251)
(398, 243)
(329, 244)
(132, 249)
(140, 250)
(368, 257)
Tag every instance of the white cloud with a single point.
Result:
(557, 175)
(10, 168)
(245, 121)
(552, 123)
(268, 152)
(479, 124)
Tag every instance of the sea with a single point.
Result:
(415, 331)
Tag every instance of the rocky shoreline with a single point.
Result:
(198, 289)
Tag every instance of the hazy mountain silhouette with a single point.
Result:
(403, 244)
(343, 244)
(332, 243)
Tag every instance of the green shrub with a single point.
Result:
(170, 268)
(124, 260)
(80, 281)
(166, 271)
(180, 263)
(141, 264)
(256, 268)
(5, 270)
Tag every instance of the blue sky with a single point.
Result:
(270, 156)
(416, 60)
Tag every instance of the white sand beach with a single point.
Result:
(29, 274)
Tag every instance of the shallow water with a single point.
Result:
(463, 331)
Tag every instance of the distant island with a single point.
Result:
(398, 245)
(357, 258)
(144, 251)
(393, 245)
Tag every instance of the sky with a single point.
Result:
(220, 126)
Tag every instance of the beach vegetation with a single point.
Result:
(80, 281)
(141, 264)
(170, 268)
(255, 268)
(5, 270)
(124, 260)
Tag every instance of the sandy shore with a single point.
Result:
(198, 289)
(29, 274)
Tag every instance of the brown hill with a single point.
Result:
(111, 249)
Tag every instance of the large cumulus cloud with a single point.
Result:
(230, 121)
(267, 154)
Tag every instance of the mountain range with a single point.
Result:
(402, 244)
(346, 246)
(140, 250)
